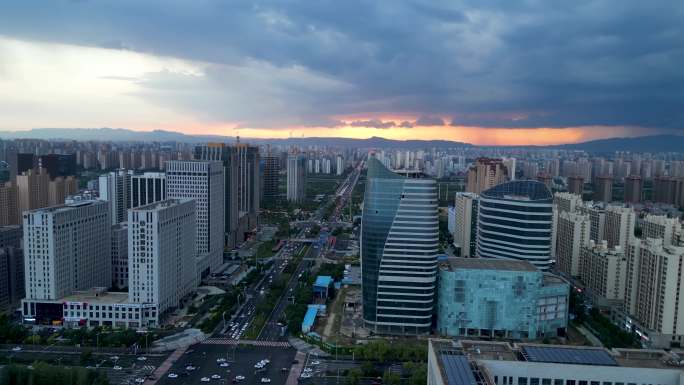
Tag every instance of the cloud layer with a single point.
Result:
(387, 64)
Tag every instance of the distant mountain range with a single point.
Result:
(125, 135)
(654, 143)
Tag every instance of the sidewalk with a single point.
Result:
(296, 369)
(306, 347)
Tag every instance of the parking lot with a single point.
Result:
(240, 361)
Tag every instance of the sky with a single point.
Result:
(479, 71)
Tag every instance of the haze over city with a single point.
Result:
(483, 73)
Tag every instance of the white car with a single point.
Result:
(16, 349)
(224, 364)
(215, 377)
(259, 365)
(221, 360)
(239, 378)
(139, 380)
(265, 380)
(306, 375)
(173, 375)
(266, 361)
(115, 358)
(190, 368)
(141, 358)
(308, 370)
(117, 367)
(205, 379)
(315, 362)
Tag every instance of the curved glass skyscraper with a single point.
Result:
(514, 222)
(399, 241)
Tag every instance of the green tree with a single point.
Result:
(418, 375)
(353, 377)
(367, 368)
(391, 378)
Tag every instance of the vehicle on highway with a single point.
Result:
(215, 377)
(16, 349)
(224, 364)
(173, 375)
(221, 359)
(205, 379)
(238, 379)
(190, 368)
(117, 367)
(265, 380)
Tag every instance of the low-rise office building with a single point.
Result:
(500, 298)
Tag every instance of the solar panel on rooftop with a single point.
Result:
(580, 356)
(457, 369)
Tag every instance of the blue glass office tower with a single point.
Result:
(399, 241)
(514, 222)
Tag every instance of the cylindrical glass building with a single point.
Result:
(514, 222)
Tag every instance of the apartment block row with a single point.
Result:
(635, 271)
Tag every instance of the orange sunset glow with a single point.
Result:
(473, 135)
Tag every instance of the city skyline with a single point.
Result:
(479, 73)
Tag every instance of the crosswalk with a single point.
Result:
(229, 341)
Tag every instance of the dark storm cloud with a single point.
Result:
(484, 63)
(376, 123)
(430, 121)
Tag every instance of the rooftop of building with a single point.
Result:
(97, 295)
(551, 279)
(475, 351)
(323, 281)
(530, 190)
(68, 206)
(488, 264)
(161, 204)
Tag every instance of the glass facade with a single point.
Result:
(506, 303)
(514, 222)
(399, 241)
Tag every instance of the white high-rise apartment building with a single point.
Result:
(604, 273)
(655, 289)
(66, 248)
(661, 227)
(114, 187)
(162, 253)
(465, 231)
(597, 217)
(339, 166)
(571, 234)
(204, 182)
(565, 201)
(619, 226)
